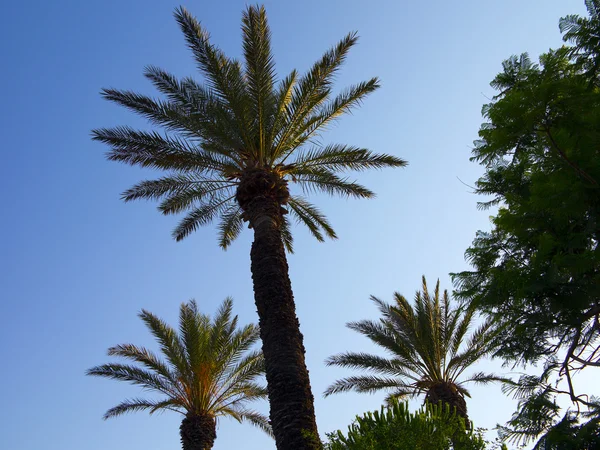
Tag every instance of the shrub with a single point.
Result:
(394, 427)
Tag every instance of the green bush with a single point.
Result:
(395, 427)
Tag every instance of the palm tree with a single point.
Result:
(424, 342)
(210, 371)
(231, 147)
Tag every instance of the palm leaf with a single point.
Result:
(230, 226)
(260, 71)
(201, 215)
(312, 89)
(310, 216)
(150, 149)
(337, 158)
(138, 404)
(223, 75)
(364, 384)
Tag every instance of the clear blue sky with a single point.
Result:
(77, 264)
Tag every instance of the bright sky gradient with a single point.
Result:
(77, 264)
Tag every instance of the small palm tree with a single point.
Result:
(210, 371)
(425, 344)
(232, 147)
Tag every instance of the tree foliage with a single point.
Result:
(537, 272)
(430, 348)
(208, 368)
(239, 119)
(433, 427)
(540, 417)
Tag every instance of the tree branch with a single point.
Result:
(578, 169)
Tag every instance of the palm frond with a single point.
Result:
(258, 420)
(199, 194)
(283, 98)
(206, 115)
(223, 74)
(342, 104)
(139, 404)
(231, 225)
(143, 356)
(174, 185)
(201, 215)
(158, 112)
(461, 330)
(193, 331)
(365, 384)
(260, 72)
(150, 149)
(312, 89)
(370, 362)
(386, 337)
(321, 180)
(338, 158)
(134, 375)
(170, 344)
(310, 216)
(485, 378)
(222, 331)
(286, 235)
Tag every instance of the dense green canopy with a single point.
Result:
(537, 272)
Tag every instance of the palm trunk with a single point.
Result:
(291, 400)
(449, 395)
(198, 432)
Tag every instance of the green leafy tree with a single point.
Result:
(230, 149)
(209, 371)
(395, 427)
(537, 272)
(539, 416)
(425, 343)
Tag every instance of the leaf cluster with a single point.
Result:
(538, 417)
(433, 427)
(428, 343)
(240, 118)
(208, 367)
(537, 272)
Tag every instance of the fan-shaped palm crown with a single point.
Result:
(209, 370)
(242, 133)
(425, 343)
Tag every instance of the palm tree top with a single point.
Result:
(208, 367)
(429, 344)
(240, 121)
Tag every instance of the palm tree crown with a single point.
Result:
(425, 343)
(242, 132)
(209, 369)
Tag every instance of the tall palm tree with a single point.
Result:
(231, 147)
(209, 371)
(425, 345)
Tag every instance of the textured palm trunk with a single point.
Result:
(198, 432)
(290, 396)
(261, 194)
(449, 395)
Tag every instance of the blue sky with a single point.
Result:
(77, 264)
